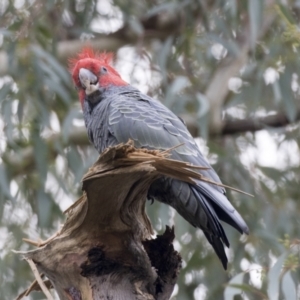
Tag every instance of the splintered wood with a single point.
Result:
(105, 249)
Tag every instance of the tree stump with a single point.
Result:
(105, 250)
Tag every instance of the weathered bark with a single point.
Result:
(105, 249)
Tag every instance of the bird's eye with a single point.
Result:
(103, 70)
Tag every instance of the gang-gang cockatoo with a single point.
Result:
(114, 112)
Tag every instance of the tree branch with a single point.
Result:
(234, 126)
(39, 279)
(256, 124)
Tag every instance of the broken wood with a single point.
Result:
(106, 249)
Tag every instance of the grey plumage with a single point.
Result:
(123, 113)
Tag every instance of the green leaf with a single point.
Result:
(9, 126)
(4, 91)
(20, 111)
(41, 152)
(286, 13)
(177, 85)
(203, 105)
(273, 277)
(67, 124)
(164, 54)
(288, 287)
(74, 163)
(233, 7)
(255, 13)
(136, 26)
(44, 202)
(57, 67)
(4, 184)
(276, 92)
(287, 94)
(231, 291)
(171, 6)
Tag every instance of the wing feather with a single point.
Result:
(132, 115)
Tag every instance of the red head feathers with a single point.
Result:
(97, 63)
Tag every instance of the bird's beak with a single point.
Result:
(88, 80)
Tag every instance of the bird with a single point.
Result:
(115, 112)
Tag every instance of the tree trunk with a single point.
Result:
(105, 249)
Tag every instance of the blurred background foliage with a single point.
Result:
(228, 68)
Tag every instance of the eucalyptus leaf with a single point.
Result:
(255, 9)
(273, 277)
(60, 71)
(203, 105)
(40, 155)
(231, 291)
(177, 86)
(289, 102)
(44, 204)
(4, 185)
(288, 287)
(67, 124)
(4, 91)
